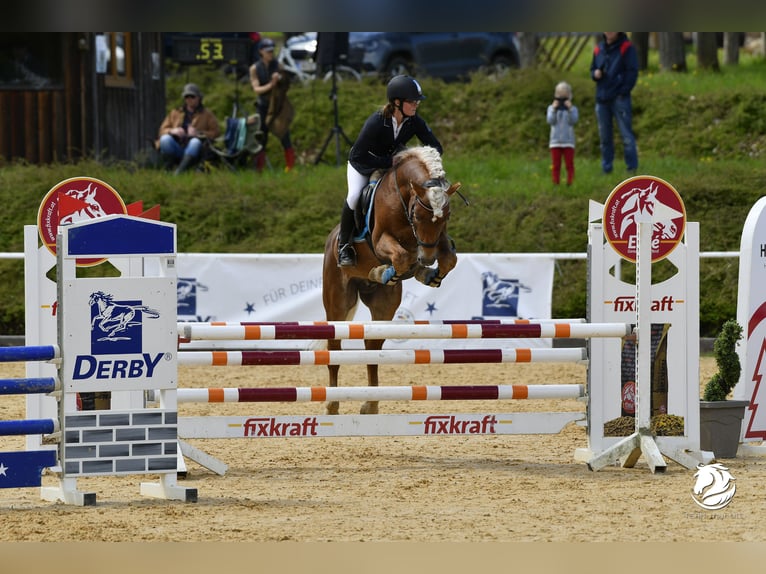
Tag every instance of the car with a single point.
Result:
(298, 57)
(450, 56)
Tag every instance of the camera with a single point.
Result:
(562, 104)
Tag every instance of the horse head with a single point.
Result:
(428, 204)
(98, 297)
(714, 486)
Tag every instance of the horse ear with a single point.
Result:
(454, 187)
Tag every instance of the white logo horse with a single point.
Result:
(643, 201)
(113, 317)
(501, 292)
(714, 487)
(185, 288)
(93, 209)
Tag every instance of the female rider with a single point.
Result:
(384, 133)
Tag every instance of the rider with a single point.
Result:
(384, 133)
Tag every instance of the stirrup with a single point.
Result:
(346, 255)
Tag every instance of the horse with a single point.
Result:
(406, 234)
(114, 317)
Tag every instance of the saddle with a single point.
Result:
(363, 219)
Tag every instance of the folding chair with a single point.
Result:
(240, 142)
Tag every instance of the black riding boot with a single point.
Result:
(346, 252)
(186, 162)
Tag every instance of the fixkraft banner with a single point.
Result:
(269, 287)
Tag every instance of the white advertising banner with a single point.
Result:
(284, 287)
(751, 315)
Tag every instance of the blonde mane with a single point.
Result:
(426, 154)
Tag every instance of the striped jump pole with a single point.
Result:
(383, 357)
(413, 393)
(392, 330)
(30, 426)
(30, 386)
(19, 354)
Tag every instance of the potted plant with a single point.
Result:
(720, 418)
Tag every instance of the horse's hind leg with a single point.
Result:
(383, 301)
(339, 296)
(371, 407)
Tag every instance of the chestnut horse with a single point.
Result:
(407, 234)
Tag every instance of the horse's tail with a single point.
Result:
(151, 313)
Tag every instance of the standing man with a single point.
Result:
(614, 68)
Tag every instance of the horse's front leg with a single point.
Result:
(446, 261)
(331, 407)
(388, 248)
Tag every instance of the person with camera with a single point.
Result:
(385, 132)
(184, 130)
(614, 68)
(562, 115)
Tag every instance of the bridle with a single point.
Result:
(410, 213)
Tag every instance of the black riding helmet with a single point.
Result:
(404, 88)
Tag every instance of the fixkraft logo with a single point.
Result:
(116, 329)
(500, 297)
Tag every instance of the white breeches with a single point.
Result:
(356, 183)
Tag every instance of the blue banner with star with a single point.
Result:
(24, 468)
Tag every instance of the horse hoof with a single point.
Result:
(331, 408)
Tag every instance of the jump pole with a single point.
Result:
(382, 357)
(409, 393)
(385, 330)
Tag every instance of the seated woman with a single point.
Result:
(183, 130)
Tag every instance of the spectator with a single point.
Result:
(184, 129)
(562, 115)
(385, 132)
(272, 105)
(614, 68)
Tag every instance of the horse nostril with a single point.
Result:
(426, 261)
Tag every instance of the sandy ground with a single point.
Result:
(465, 489)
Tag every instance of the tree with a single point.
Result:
(528, 45)
(707, 51)
(672, 52)
(731, 48)
(641, 42)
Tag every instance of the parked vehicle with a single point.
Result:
(447, 55)
(298, 58)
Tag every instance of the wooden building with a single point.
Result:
(66, 96)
